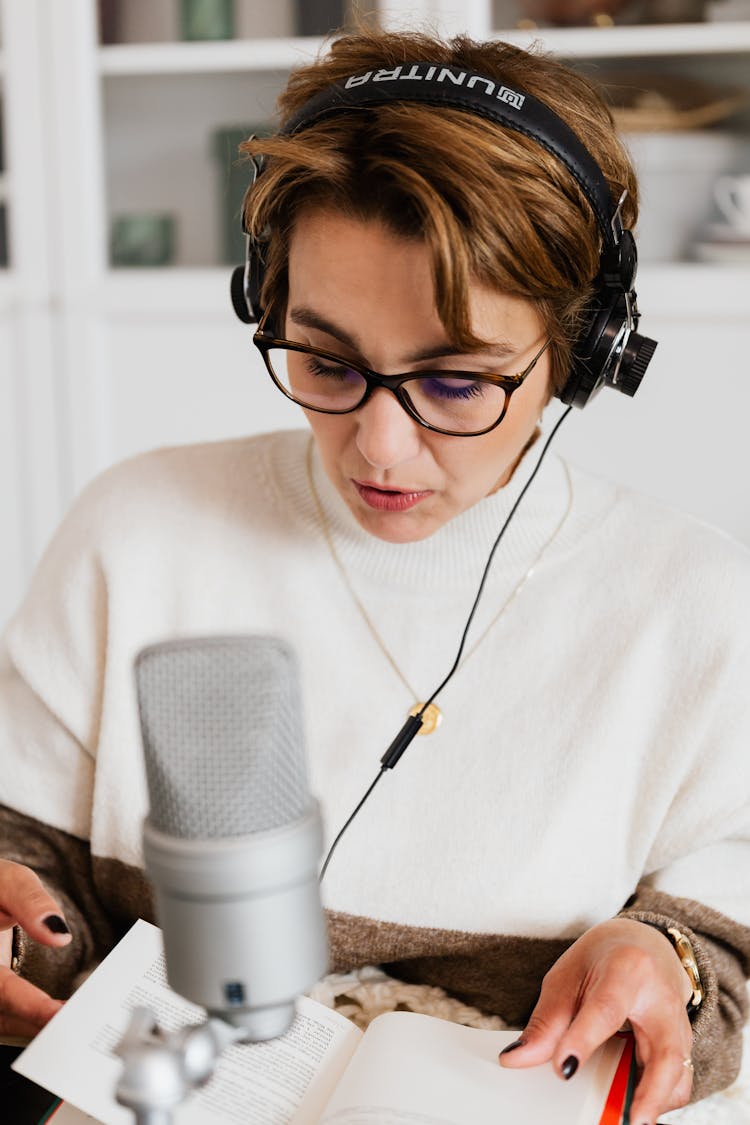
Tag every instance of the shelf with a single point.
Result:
(693, 291)
(676, 290)
(231, 55)
(280, 54)
(153, 293)
(619, 42)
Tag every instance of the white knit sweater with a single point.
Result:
(595, 743)
(598, 734)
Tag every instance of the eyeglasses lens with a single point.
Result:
(445, 400)
(456, 403)
(316, 380)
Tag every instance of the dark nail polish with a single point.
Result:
(512, 1046)
(55, 924)
(569, 1067)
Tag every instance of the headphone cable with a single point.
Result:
(413, 724)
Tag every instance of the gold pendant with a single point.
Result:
(431, 719)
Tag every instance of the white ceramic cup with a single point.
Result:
(676, 173)
(732, 194)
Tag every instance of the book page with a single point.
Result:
(285, 1081)
(418, 1070)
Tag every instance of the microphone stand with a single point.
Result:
(160, 1068)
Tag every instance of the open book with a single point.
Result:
(406, 1069)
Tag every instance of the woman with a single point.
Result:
(587, 791)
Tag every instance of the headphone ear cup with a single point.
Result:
(255, 272)
(237, 291)
(593, 352)
(247, 285)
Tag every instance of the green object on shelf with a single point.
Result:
(143, 240)
(234, 179)
(207, 19)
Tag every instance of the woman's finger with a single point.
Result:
(23, 1005)
(25, 902)
(547, 1024)
(665, 1084)
(14, 1028)
(604, 1009)
(684, 1088)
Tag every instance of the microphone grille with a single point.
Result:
(221, 721)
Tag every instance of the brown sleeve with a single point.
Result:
(63, 863)
(722, 950)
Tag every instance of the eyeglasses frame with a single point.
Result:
(373, 379)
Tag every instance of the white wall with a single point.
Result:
(684, 437)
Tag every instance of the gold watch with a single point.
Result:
(689, 963)
(685, 952)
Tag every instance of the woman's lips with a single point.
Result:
(389, 499)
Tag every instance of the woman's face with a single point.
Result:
(364, 293)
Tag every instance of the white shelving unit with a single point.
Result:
(652, 40)
(132, 59)
(98, 363)
(32, 463)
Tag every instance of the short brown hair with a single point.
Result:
(491, 204)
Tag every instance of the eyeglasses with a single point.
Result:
(457, 403)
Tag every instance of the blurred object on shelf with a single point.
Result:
(570, 12)
(108, 22)
(732, 195)
(729, 239)
(138, 21)
(234, 173)
(207, 19)
(674, 11)
(143, 240)
(676, 174)
(167, 21)
(605, 13)
(722, 244)
(648, 101)
(729, 10)
(318, 17)
(4, 255)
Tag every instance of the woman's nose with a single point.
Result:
(386, 435)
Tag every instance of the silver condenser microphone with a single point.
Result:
(233, 839)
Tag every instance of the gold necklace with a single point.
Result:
(433, 716)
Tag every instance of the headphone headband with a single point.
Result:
(452, 87)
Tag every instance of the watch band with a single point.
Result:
(685, 952)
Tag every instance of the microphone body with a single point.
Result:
(233, 838)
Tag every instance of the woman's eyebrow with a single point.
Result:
(306, 317)
(500, 349)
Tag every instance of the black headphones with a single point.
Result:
(610, 351)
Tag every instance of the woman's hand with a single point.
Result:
(24, 1009)
(619, 970)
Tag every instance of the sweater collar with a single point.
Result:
(455, 554)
